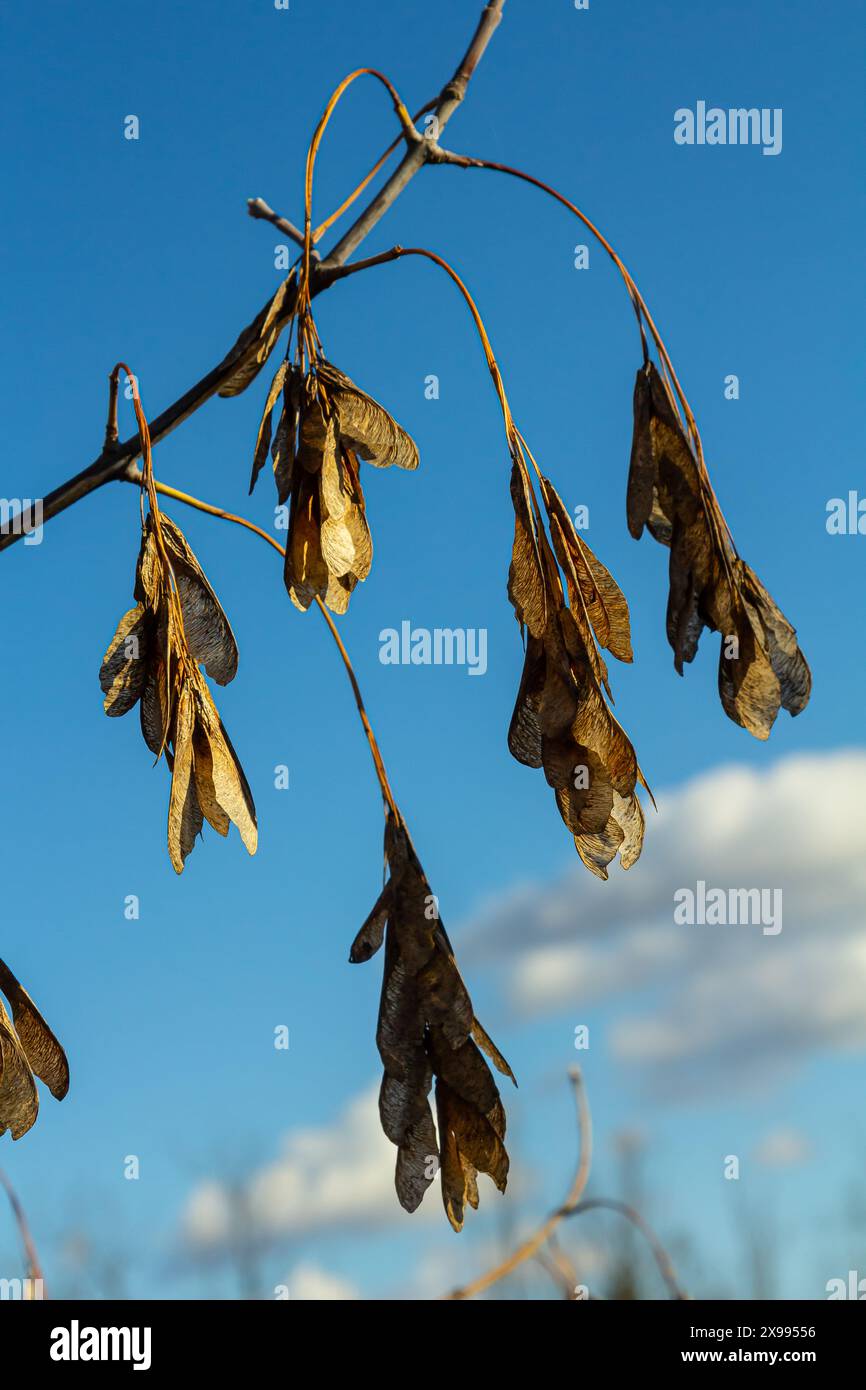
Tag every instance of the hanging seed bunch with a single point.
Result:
(154, 660)
(427, 1029)
(562, 721)
(569, 607)
(761, 667)
(326, 426)
(28, 1048)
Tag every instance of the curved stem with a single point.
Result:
(383, 159)
(660, 1255)
(378, 761)
(409, 132)
(715, 516)
(396, 253)
(634, 293)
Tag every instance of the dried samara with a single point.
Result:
(28, 1048)
(326, 426)
(154, 660)
(761, 667)
(562, 721)
(427, 1030)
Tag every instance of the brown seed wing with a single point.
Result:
(603, 600)
(780, 638)
(399, 1028)
(44, 1054)
(124, 665)
(691, 574)
(599, 849)
(230, 786)
(365, 426)
(524, 733)
(204, 784)
(283, 450)
(584, 808)
(257, 342)
(416, 1161)
(444, 998)
(184, 813)
(469, 1144)
(356, 519)
(306, 573)
(263, 438)
(148, 570)
(372, 932)
(607, 606)
(595, 728)
(748, 686)
(642, 470)
(155, 709)
(526, 585)
(485, 1042)
(574, 622)
(628, 814)
(208, 631)
(19, 1103)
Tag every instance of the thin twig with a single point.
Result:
(34, 1267)
(555, 1262)
(111, 435)
(660, 1255)
(258, 208)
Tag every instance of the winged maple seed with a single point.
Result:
(426, 1030)
(153, 661)
(28, 1048)
(259, 339)
(326, 426)
(562, 721)
(761, 667)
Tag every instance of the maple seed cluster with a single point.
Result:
(153, 662)
(763, 669)
(326, 426)
(427, 1029)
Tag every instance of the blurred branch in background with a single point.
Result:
(33, 1266)
(542, 1244)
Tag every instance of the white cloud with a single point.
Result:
(715, 1002)
(337, 1175)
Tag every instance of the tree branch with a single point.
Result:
(258, 208)
(117, 459)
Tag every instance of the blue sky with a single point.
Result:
(143, 251)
